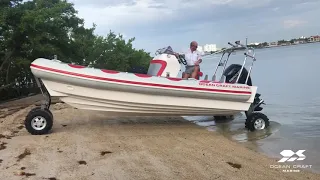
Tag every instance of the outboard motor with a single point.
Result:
(232, 72)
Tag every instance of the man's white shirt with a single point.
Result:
(192, 57)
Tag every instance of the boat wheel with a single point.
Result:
(257, 121)
(39, 107)
(39, 121)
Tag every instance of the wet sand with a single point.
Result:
(88, 145)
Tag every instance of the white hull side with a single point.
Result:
(128, 93)
(154, 85)
(138, 103)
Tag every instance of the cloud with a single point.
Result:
(293, 23)
(126, 13)
(157, 23)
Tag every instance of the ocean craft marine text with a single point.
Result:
(223, 85)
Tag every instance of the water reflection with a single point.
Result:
(233, 128)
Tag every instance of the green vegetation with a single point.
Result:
(44, 28)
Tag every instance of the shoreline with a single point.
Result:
(267, 47)
(96, 147)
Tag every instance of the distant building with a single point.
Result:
(314, 39)
(298, 42)
(273, 44)
(256, 43)
(209, 47)
(200, 48)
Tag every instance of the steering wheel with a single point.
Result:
(182, 59)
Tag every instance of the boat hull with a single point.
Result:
(135, 94)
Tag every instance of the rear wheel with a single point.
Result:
(39, 121)
(257, 121)
(46, 109)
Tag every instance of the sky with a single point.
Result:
(159, 23)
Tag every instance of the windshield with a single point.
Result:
(165, 50)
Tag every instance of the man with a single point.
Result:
(193, 58)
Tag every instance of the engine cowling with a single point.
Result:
(232, 73)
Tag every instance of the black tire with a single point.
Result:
(39, 107)
(255, 116)
(231, 74)
(38, 112)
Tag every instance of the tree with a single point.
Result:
(282, 42)
(113, 52)
(44, 28)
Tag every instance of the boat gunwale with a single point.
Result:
(112, 80)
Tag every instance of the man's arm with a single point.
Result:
(199, 59)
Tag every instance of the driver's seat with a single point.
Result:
(200, 74)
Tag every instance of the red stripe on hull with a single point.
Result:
(76, 66)
(138, 83)
(110, 71)
(174, 79)
(142, 75)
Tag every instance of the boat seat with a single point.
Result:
(200, 74)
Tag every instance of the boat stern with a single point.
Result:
(253, 93)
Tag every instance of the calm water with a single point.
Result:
(287, 78)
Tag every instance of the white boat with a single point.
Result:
(159, 92)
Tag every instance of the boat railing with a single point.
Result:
(55, 58)
(249, 52)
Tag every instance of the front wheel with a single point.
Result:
(39, 121)
(257, 121)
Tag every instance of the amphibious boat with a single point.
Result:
(159, 92)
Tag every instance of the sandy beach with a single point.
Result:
(87, 145)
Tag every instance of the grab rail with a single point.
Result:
(230, 50)
(246, 55)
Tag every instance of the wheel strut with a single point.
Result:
(40, 119)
